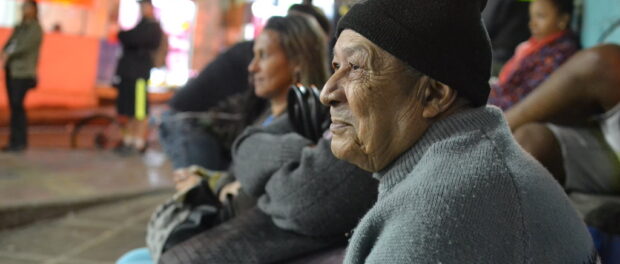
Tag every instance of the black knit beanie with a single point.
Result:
(444, 39)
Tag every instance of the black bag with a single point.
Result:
(182, 217)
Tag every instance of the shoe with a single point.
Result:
(10, 148)
(124, 150)
(143, 149)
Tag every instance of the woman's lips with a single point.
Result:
(338, 126)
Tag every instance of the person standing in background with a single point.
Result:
(19, 56)
(132, 75)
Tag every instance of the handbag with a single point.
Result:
(184, 215)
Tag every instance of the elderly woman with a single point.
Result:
(407, 103)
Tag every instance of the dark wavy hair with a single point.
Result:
(314, 12)
(564, 6)
(35, 6)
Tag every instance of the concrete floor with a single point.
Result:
(99, 234)
(48, 175)
(52, 183)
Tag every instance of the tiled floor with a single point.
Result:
(50, 174)
(97, 235)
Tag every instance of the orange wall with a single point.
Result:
(66, 74)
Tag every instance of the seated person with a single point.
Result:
(307, 199)
(407, 102)
(506, 21)
(571, 122)
(551, 44)
(211, 110)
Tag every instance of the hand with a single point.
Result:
(229, 189)
(184, 179)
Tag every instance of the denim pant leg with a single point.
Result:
(16, 91)
(187, 143)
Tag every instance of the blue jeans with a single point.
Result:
(187, 142)
(607, 245)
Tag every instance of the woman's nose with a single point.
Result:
(329, 93)
(252, 67)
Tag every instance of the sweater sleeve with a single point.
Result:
(318, 195)
(260, 151)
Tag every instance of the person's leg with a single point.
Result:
(17, 92)
(9, 88)
(538, 140)
(140, 134)
(140, 121)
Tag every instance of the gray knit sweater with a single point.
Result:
(308, 200)
(301, 185)
(467, 193)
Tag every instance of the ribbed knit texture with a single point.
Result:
(467, 193)
(444, 39)
(303, 187)
(308, 201)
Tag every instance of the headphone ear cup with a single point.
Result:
(298, 110)
(293, 110)
(320, 113)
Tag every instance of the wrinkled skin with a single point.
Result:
(378, 110)
(375, 117)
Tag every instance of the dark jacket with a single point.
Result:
(225, 76)
(23, 48)
(139, 43)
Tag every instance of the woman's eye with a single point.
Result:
(354, 67)
(336, 66)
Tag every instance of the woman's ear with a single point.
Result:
(564, 21)
(438, 98)
(296, 74)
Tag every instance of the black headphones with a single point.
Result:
(306, 113)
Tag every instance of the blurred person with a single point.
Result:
(571, 122)
(408, 103)
(19, 57)
(57, 28)
(551, 44)
(211, 110)
(506, 22)
(132, 75)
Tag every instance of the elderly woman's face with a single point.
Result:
(375, 110)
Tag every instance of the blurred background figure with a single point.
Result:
(211, 110)
(506, 22)
(132, 77)
(57, 28)
(551, 44)
(571, 122)
(20, 56)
